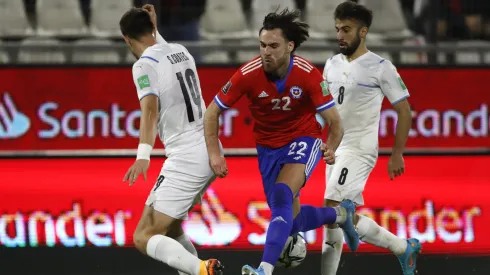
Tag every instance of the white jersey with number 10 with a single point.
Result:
(169, 72)
(359, 87)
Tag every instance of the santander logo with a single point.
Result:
(13, 123)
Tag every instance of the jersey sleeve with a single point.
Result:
(145, 79)
(233, 90)
(319, 91)
(392, 84)
(325, 69)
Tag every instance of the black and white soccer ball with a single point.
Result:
(293, 253)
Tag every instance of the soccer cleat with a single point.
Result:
(211, 267)
(248, 270)
(350, 233)
(408, 260)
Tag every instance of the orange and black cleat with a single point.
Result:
(211, 267)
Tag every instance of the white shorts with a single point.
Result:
(183, 180)
(346, 179)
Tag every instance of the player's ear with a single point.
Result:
(290, 46)
(126, 39)
(363, 32)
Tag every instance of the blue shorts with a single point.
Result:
(305, 150)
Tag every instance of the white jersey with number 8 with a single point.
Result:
(359, 88)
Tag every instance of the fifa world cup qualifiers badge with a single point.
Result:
(325, 89)
(296, 92)
(226, 87)
(143, 81)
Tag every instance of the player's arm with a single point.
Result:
(211, 128)
(153, 15)
(335, 130)
(148, 119)
(395, 90)
(146, 82)
(330, 115)
(325, 107)
(403, 125)
(226, 97)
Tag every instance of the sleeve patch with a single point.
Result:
(226, 88)
(325, 89)
(402, 84)
(143, 81)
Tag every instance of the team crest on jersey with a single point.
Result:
(226, 87)
(296, 92)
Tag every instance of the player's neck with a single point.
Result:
(145, 43)
(283, 70)
(362, 49)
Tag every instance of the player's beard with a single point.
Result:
(352, 48)
(273, 67)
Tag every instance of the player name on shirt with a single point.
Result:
(177, 58)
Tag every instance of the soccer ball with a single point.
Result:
(293, 253)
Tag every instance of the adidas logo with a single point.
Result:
(263, 94)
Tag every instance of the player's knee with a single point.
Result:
(140, 240)
(141, 236)
(331, 203)
(282, 196)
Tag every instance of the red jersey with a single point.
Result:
(283, 110)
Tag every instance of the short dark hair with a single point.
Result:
(351, 10)
(288, 21)
(135, 23)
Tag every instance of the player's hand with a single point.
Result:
(153, 15)
(218, 165)
(328, 154)
(139, 167)
(396, 166)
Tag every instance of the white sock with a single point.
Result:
(187, 244)
(341, 214)
(331, 252)
(370, 232)
(268, 268)
(171, 252)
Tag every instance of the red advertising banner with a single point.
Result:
(97, 108)
(89, 205)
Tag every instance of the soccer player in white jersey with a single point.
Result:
(172, 105)
(359, 79)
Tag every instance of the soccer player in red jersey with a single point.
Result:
(284, 92)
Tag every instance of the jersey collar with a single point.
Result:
(281, 83)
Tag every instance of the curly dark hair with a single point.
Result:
(352, 10)
(288, 21)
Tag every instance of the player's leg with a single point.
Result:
(347, 180)
(312, 217)
(333, 236)
(151, 238)
(291, 174)
(185, 181)
(177, 233)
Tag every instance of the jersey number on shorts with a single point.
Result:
(190, 78)
(340, 99)
(302, 146)
(285, 106)
(343, 175)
